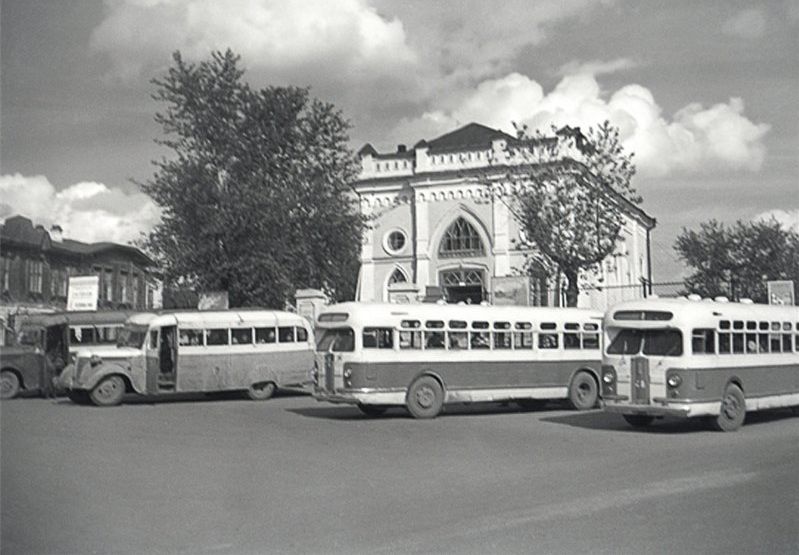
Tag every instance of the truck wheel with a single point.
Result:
(583, 391)
(425, 397)
(108, 392)
(9, 384)
(261, 391)
(733, 410)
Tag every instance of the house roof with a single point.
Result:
(20, 230)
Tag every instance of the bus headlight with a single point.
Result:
(608, 380)
(674, 380)
(347, 374)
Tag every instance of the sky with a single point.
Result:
(704, 92)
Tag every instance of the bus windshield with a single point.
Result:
(132, 336)
(339, 340)
(655, 342)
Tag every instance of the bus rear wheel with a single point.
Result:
(108, 392)
(371, 410)
(583, 391)
(261, 391)
(638, 420)
(733, 410)
(9, 384)
(425, 397)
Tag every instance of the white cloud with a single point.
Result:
(747, 24)
(86, 211)
(597, 67)
(788, 218)
(694, 139)
(284, 38)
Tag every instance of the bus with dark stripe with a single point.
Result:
(424, 356)
(692, 357)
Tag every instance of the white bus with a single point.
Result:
(691, 357)
(423, 356)
(256, 351)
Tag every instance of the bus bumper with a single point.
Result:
(680, 410)
(361, 396)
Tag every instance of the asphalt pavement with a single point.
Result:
(290, 475)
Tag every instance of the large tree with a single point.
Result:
(255, 194)
(570, 197)
(736, 261)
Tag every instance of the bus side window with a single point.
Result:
(547, 340)
(702, 341)
(571, 340)
(378, 338)
(410, 339)
(590, 341)
(457, 340)
(241, 336)
(737, 343)
(434, 340)
(191, 338)
(724, 343)
(302, 334)
(153, 339)
(265, 335)
(218, 336)
(480, 340)
(285, 335)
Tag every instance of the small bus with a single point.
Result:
(693, 357)
(86, 329)
(34, 357)
(255, 351)
(423, 356)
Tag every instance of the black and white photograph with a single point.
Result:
(399, 276)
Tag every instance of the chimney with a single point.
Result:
(56, 233)
(401, 148)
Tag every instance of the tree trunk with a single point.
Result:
(572, 291)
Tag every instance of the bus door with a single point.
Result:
(167, 358)
(152, 368)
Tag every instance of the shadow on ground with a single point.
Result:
(229, 396)
(351, 412)
(598, 420)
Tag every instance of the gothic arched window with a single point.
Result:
(461, 239)
(398, 276)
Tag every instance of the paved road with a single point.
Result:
(292, 475)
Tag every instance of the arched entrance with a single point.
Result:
(463, 285)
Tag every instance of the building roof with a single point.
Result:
(472, 135)
(19, 230)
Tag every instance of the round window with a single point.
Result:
(395, 241)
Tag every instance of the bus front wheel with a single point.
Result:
(583, 391)
(108, 392)
(425, 397)
(261, 391)
(9, 384)
(733, 410)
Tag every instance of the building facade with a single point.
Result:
(441, 223)
(36, 264)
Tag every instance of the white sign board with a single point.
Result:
(83, 293)
(780, 292)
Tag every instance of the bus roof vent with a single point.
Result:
(746, 301)
(721, 300)
(694, 297)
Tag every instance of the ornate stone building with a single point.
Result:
(441, 224)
